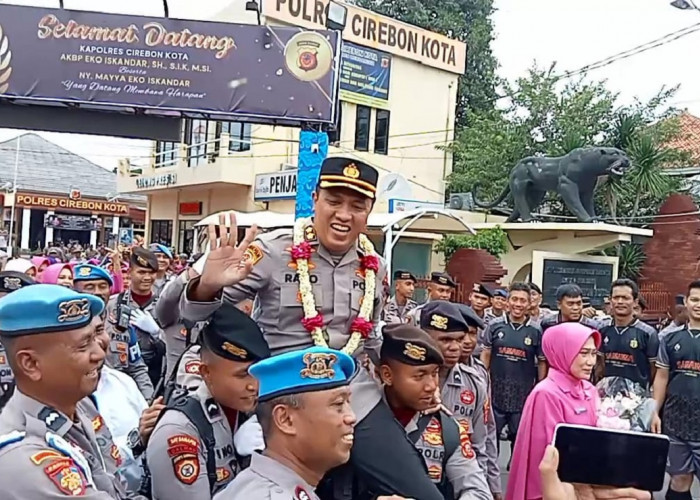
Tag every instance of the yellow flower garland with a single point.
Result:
(307, 296)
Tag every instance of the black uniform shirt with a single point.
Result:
(679, 352)
(629, 351)
(555, 319)
(515, 350)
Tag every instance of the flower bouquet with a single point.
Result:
(625, 405)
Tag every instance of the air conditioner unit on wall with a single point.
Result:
(461, 201)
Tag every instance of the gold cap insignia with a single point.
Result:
(235, 350)
(12, 283)
(141, 261)
(439, 322)
(73, 310)
(351, 171)
(414, 351)
(85, 271)
(442, 280)
(476, 288)
(318, 365)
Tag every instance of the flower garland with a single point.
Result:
(313, 321)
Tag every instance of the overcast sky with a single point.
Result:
(573, 33)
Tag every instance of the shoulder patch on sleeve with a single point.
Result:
(192, 367)
(253, 254)
(186, 468)
(182, 444)
(465, 442)
(67, 476)
(433, 432)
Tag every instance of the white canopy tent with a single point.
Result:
(393, 226)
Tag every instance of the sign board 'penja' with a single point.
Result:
(125, 63)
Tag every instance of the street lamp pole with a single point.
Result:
(11, 238)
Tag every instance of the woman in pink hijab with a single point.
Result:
(565, 396)
(58, 274)
(41, 263)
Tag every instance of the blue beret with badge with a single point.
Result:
(442, 316)
(88, 272)
(158, 248)
(45, 309)
(307, 370)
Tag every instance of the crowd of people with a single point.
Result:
(279, 367)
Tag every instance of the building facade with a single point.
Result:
(398, 95)
(51, 195)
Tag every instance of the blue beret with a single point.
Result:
(88, 272)
(500, 292)
(158, 248)
(46, 308)
(442, 316)
(312, 369)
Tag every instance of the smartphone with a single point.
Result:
(605, 457)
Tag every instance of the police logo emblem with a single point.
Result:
(73, 310)
(435, 472)
(66, 475)
(634, 344)
(467, 397)
(186, 468)
(192, 367)
(253, 254)
(141, 261)
(442, 280)
(222, 474)
(415, 352)
(318, 365)
(12, 283)
(476, 288)
(527, 341)
(439, 322)
(301, 494)
(85, 271)
(308, 56)
(433, 433)
(235, 350)
(351, 171)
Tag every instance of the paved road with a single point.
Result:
(505, 454)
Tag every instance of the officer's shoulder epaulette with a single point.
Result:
(273, 235)
(11, 437)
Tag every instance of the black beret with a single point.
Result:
(233, 335)
(140, 257)
(535, 288)
(442, 279)
(14, 280)
(349, 173)
(470, 317)
(409, 345)
(404, 275)
(481, 289)
(442, 316)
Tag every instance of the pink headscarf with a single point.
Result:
(40, 261)
(51, 273)
(559, 398)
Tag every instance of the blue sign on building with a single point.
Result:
(365, 75)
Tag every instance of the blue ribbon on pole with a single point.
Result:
(313, 149)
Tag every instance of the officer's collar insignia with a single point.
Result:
(416, 353)
(351, 171)
(211, 407)
(457, 377)
(318, 365)
(52, 418)
(309, 234)
(73, 310)
(235, 350)
(301, 494)
(442, 280)
(12, 283)
(85, 271)
(439, 322)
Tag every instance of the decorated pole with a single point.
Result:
(313, 149)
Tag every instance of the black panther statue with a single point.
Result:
(574, 176)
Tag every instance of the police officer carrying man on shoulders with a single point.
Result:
(135, 333)
(50, 429)
(191, 451)
(340, 271)
(410, 365)
(463, 388)
(10, 281)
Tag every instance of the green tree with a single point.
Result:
(494, 241)
(466, 20)
(548, 117)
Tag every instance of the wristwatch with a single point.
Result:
(134, 442)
